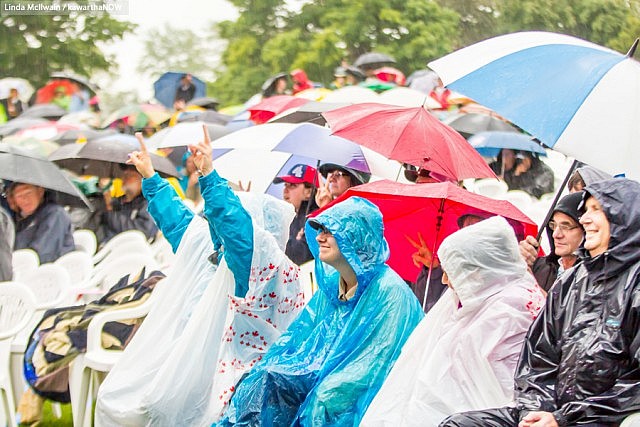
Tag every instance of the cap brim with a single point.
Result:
(314, 224)
(289, 179)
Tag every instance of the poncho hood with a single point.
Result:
(481, 260)
(358, 229)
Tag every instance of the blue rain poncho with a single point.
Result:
(327, 367)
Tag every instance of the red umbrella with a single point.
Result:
(46, 93)
(410, 135)
(433, 211)
(272, 106)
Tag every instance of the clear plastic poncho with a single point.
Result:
(199, 339)
(463, 354)
(326, 368)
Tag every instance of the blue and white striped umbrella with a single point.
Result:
(577, 97)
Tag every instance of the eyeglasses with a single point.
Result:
(563, 227)
(337, 173)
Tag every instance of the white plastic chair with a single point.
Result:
(78, 264)
(24, 261)
(520, 199)
(493, 188)
(631, 421)
(118, 239)
(51, 285)
(86, 241)
(17, 306)
(307, 278)
(88, 369)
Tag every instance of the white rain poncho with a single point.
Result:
(199, 339)
(463, 354)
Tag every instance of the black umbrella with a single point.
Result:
(47, 111)
(205, 102)
(24, 166)
(373, 60)
(18, 124)
(209, 117)
(471, 123)
(104, 158)
(72, 135)
(309, 112)
(75, 78)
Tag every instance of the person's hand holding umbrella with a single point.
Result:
(141, 159)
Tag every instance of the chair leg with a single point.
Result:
(8, 406)
(80, 387)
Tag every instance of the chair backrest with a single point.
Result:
(17, 305)
(118, 239)
(79, 265)
(23, 261)
(86, 241)
(490, 187)
(50, 283)
(520, 199)
(120, 266)
(307, 279)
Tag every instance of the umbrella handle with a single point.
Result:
(555, 200)
(433, 252)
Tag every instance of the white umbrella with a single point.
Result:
(406, 97)
(577, 97)
(353, 95)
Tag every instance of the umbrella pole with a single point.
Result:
(433, 250)
(313, 190)
(555, 200)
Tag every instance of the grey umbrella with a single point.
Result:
(75, 78)
(47, 111)
(24, 166)
(471, 123)
(309, 112)
(104, 158)
(209, 117)
(205, 102)
(373, 60)
(20, 123)
(72, 135)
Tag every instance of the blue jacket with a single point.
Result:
(329, 364)
(230, 225)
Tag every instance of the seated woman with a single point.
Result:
(326, 368)
(464, 353)
(229, 295)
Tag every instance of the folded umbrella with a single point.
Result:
(20, 165)
(104, 157)
(410, 135)
(560, 89)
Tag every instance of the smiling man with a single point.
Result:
(567, 234)
(581, 361)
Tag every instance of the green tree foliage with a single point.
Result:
(33, 46)
(179, 49)
(267, 39)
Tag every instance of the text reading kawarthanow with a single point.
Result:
(44, 7)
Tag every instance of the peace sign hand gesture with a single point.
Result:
(423, 256)
(323, 195)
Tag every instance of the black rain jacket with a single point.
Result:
(581, 356)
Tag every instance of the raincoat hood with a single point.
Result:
(481, 260)
(620, 200)
(299, 76)
(357, 226)
(270, 214)
(591, 175)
